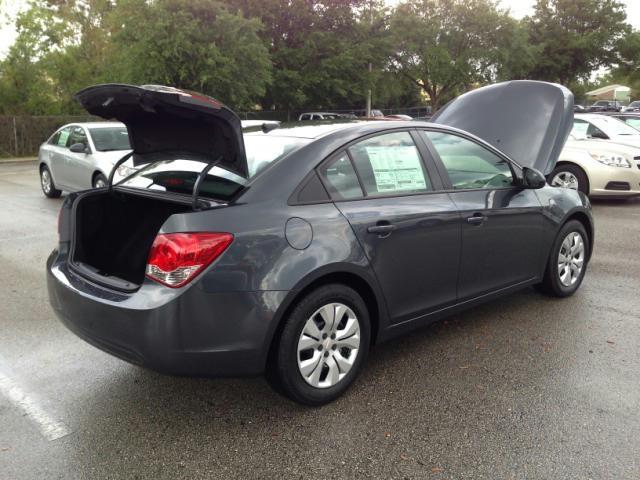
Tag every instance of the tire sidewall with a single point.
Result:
(53, 192)
(289, 375)
(99, 176)
(583, 180)
(554, 277)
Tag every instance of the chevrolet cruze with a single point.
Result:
(291, 250)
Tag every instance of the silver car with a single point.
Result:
(80, 156)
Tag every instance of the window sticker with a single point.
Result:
(64, 135)
(396, 168)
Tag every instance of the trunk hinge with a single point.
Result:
(200, 179)
(115, 167)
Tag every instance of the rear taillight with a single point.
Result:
(176, 258)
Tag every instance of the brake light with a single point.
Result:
(176, 258)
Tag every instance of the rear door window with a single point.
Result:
(390, 164)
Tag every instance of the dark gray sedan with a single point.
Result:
(292, 250)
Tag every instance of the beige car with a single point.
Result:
(599, 168)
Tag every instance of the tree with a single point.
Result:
(576, 37)
(445, 46)
(65, 46)
(320, 50)
(196, 45)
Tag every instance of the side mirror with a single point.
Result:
(78, 148)
(599, 134)
(532, 178)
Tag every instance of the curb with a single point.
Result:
(13, 161)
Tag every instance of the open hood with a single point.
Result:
(165, 119)
(528, 121)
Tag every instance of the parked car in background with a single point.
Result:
(605, 106)
(398, 116)
(604, 127)
(318, 116)
(579, 108)
(353, 233)
(631, 119)
(260, 123)
(81, 155)
(599, 168)
(632, 107)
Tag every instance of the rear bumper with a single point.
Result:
(185, 331)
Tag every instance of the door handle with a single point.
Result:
(476, 219)
(382, 229)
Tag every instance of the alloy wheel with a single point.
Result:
(328, 345)
(100, 183)
(45, 180)
(566, 180)
(571, 259)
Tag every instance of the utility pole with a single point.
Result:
(368, 114)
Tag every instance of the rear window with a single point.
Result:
(110, 138)
(179, 175)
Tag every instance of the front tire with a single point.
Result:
(567, 262)
(569, 176)
(46, 183)
(323, 346)
(99, 181)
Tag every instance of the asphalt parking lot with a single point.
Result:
(526, 387)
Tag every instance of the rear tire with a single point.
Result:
(46, 183)
(99, 181)
(567, 262)
(323, 346)
(569, 176)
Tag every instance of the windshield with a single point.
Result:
(110, 138)
(634, 104)
(178, 175)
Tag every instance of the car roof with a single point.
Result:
(96, 124)
(318, 129)
(587, 116)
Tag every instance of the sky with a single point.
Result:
(519, 8)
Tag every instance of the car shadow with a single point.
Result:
(472, 360)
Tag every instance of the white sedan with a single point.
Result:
(599, 168)
(603, 127)
(81, 156)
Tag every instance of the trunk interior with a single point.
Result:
(114, 233)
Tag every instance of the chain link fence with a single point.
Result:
(21, 136)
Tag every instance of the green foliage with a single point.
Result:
(445, 46)
(576, 37)
(197, 45)
(307, 54)
(64, 47)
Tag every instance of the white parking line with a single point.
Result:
(51, 429)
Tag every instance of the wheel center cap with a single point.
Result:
(327, 344)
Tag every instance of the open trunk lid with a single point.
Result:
(529, 121)
(165, 119)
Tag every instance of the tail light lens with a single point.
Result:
(176, 258)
